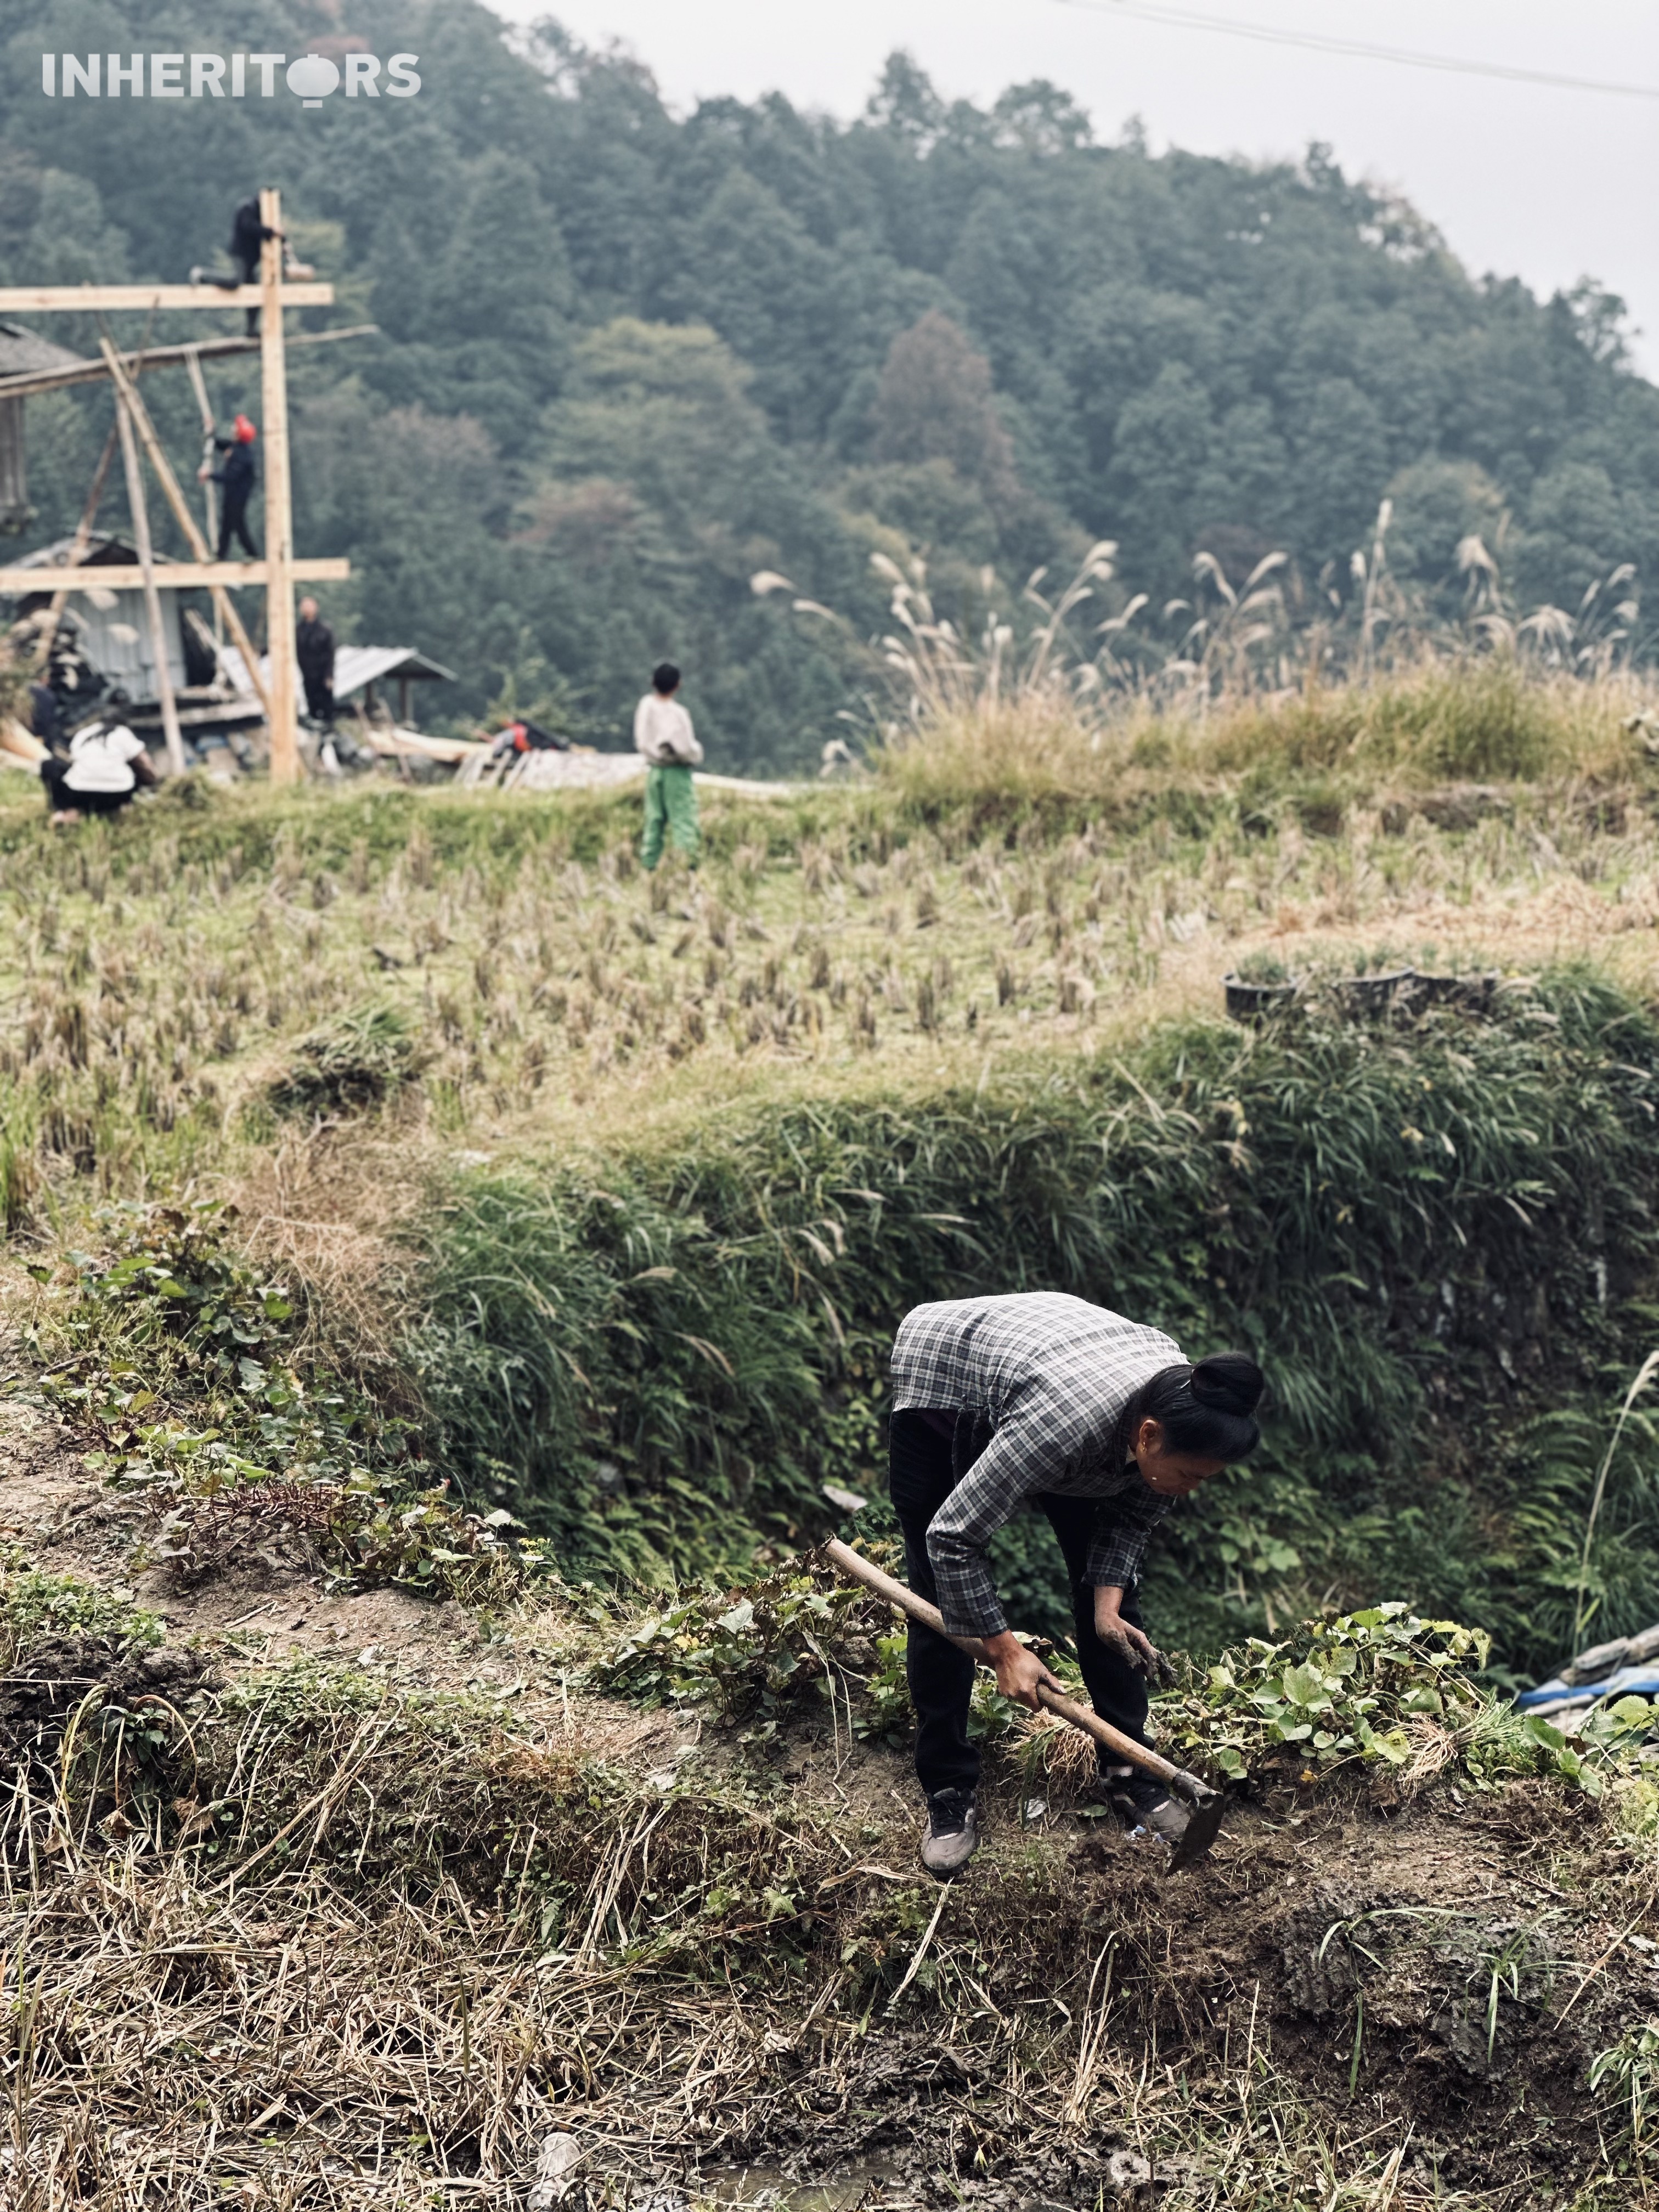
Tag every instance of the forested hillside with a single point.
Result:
(628, 359)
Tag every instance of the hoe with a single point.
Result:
(1208, 1805)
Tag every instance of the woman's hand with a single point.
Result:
(1127, 1641)
(1020, 1673)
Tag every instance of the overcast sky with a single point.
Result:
(1537, 181)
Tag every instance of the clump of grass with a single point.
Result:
(1491, 719)
(359, 1059)
(1487, 718)
(35, 1603)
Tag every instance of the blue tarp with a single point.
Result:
(1627, 1682)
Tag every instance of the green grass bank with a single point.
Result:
(1438, 1235)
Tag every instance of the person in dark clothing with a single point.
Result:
(236, 479)
(248, 237)
(43, 714)
(314, 648)
(1040, 1400)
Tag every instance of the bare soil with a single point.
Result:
(1404, 1997)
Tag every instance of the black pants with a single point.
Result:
(319, 697)
(941, 1678)
(233, 523)
(60, 797)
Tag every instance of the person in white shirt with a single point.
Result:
(664, 734)
(106, 763)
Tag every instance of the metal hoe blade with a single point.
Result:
(1200, 1833)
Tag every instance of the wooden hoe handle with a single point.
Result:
(851, 1563)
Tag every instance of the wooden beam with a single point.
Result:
(170, 575)
(152, 597)
(48, 632)
(284, 718)
(140, 299)
(23, 382)
(127, 393)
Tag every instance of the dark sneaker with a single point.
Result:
(1141, 1800)
(952, 1835)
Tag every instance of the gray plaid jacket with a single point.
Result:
(1050, 1377)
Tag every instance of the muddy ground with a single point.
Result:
(1354, 2002)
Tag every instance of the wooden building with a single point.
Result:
(112, 628)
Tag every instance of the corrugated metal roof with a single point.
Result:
(101, 552)
(355, 666)
(21, 349)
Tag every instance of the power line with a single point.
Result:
(1355, 49)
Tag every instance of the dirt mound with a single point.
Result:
(59, 1676)
(1438, 1977)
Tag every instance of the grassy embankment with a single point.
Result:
(602, 1197)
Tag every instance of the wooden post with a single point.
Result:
(209, 505)
(126, 391)
(152, 597)
(47, 636)
(279, 508)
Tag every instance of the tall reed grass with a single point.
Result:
(1492, 719)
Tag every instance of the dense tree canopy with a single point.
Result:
(629, 358)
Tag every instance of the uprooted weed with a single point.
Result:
(360, 1058)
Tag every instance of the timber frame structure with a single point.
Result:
(279, 572)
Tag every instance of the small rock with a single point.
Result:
(1126, 2169)
(555, 2172)
(849, 1501)
(1036, 1807)
(1599, 1662)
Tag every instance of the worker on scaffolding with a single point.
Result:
(248, 233)
(235, 478)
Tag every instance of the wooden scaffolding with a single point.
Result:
(279, 571)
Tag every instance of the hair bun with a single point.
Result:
(1230, 1383)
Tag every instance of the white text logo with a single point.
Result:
(311, 79)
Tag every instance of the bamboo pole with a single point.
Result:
(48, 633)
(152, 597)
(209, 505)
(25, 383)
(279, 507)
(127, 392)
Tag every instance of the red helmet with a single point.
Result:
(246, 433)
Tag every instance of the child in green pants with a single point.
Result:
(664, 735)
